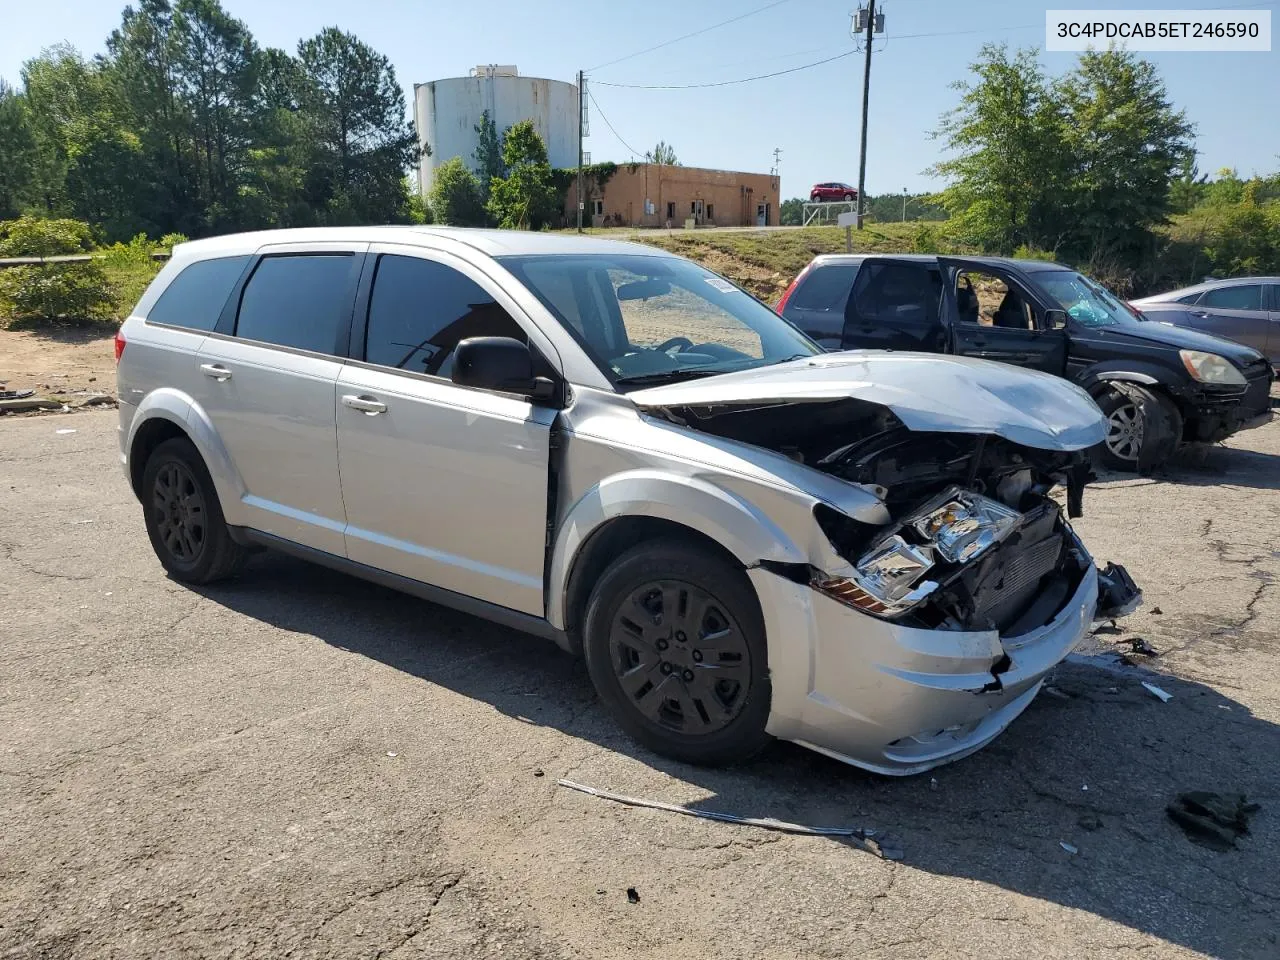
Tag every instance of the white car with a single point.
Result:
(611, 447)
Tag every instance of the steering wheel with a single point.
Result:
(684, 343)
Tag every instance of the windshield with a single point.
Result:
(1087, 302)
(647, 320)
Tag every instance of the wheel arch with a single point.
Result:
(625, 510)
(168, 413)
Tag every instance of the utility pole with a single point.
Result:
(874, 24)
(582, 93)
(904, 204)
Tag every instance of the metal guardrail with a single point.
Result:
(7, 262)
(815, 209)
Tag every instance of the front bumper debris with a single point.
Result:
(1118, 595)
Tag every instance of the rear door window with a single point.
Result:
(897, 293)
(1247, 296)
(421, 309)
(302, 302)
(195, 297)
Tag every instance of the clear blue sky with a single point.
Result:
(812, 115)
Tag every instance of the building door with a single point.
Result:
(762, 214)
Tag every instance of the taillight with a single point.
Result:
(119, 344)
(782, 304)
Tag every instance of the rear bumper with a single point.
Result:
(900, 700)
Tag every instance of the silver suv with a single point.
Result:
(611, 447)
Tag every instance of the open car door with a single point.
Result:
(992, 315)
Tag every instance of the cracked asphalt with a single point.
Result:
(303, 765)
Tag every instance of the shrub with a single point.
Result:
(34, 237)
(171, 240)
(138, 250)
(455, 196)
(57, 292)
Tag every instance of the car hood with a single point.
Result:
(926, 392)
(1185, 338)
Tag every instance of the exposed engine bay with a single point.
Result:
(976, 541)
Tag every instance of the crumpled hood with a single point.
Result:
(925, 391)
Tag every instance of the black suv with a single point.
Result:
(1159, 385)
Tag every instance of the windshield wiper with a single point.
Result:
(668, 376)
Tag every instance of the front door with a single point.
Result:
(1237, 312)
(762, 215)
(993, 316)
(1273, 328)
(443, 484)
(267, 379)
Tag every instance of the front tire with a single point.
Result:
(184, 517)
(848, 198)
(1137, 418)
(675, 645)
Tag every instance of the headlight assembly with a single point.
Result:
(889, 579)
(1211, 368)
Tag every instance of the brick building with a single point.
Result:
(655, 195)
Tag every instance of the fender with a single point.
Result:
(1125, 371)
(691, 502)
(177, 407)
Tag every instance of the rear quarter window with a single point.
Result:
(195, 297)
(825, 289)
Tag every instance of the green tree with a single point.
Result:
(455, 196)
(59, 292)
(791, 213)
(363, 142)
(1008, 179)
(86, 155)
(526, 198)
(17, 153)
(663, 153)
(217, 61)
(1127, 144)
(488, 154)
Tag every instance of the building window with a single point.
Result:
(597, 208)
(711, 211)
(671, 210)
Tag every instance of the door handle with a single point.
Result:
(1200, 313)
(366, 405)
(215, 370)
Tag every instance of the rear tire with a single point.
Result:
(848, 198)
(184, 517)
(675, 645)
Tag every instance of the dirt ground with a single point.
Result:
(302, 765)
(58, 363)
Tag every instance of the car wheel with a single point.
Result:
(848, 197)
(1136, 418)
(675, 646)
(184, 518)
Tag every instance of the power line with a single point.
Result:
(724, 83)
(592, 97)
(696, 33)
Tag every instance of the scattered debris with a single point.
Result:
(1068, 847)
(1156, 611)
(1223, 706)
(1118, 595)
(1140, 645)
(1090, 822)
(1084, 787)
(632, 895)
(65, 430)
(933, 783)
(1212, 820)
(97, 400)
(767, 823)
(539, 772)
(1107, 628)
(19, 404)
(15, 394)
(1157, 692)
(392, 754)
(1055, 692)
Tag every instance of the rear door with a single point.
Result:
(895, 305)
(817, 305)
(267, 380)
(1273, 328)
(1236, 311)
(993, 315)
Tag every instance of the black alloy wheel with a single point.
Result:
(674, 641)
(179, 512)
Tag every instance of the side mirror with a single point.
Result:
(499, 363)
(1056, 319)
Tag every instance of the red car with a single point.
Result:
(823, 192)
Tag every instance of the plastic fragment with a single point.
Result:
(1068, 847)
(1155, 691)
